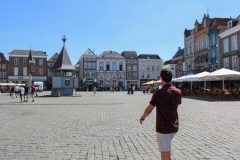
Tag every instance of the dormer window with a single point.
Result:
(205, 23)
(230, 24)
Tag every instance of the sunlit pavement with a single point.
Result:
(106, 126)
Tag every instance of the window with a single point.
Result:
(206, 42)
(234, 43)
(49, 73)
(101, 66)
(89, 65)
(129, 68)
(134, 68)
(158, 68)
(205, 23)
(4, 75)
(226, 62)
(40, 62)
(40, 71)
(114, 66)
(15, 71)
(94, 65)
(235, 65)
(134, 75)
(230, 24)
(25, 61)
(129, 75)
(4, 66)
(148, 76)
(107, 67)
(15, 61)
(225, 45)
(120, 67)
(85, 65)
(24, 71)
(142, 76)
(213, 42)
(101, 82)
(148, 68)
(153, 68)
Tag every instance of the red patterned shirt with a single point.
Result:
(166, 101)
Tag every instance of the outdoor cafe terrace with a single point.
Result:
(220, 84)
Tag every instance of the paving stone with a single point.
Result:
(106, 127)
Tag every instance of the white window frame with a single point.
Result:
(235, 63)
(40, 71)
(15, 61)
(226, 62)
(226, 45)
(25, 61)
(24, 71)
(15, 70)
(234, 43)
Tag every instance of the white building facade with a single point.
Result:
(150, 67)
(111, 71)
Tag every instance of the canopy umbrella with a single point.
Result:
(149, 83)
(222, 74)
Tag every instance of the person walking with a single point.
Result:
(94, 90)
(33, 90)
(16, 90)
(26, 93)
(22, 91)
(166, 101)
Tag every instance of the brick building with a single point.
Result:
(18, 66)
(229, 45)
(201, 44)
(3, 69)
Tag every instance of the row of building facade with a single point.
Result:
(213, 43)
(114, 70)
(109, 70)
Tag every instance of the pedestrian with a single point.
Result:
(26, 93)
(33, 90)
(22, 91)
(94, 90)
(16, 90)
(12, 93)
(166, 101)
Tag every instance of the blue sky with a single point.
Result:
(146, 26)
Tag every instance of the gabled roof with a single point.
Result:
(54, 57)
(179, 53)
(26, 53)
(63, 61)
(168, 62)
(129, 54)
(89, 52)
(110, 54)
(149, 56)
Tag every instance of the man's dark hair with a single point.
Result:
(166, 75)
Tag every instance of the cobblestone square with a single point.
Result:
(106, 126)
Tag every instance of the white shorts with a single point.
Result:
(164, 141)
